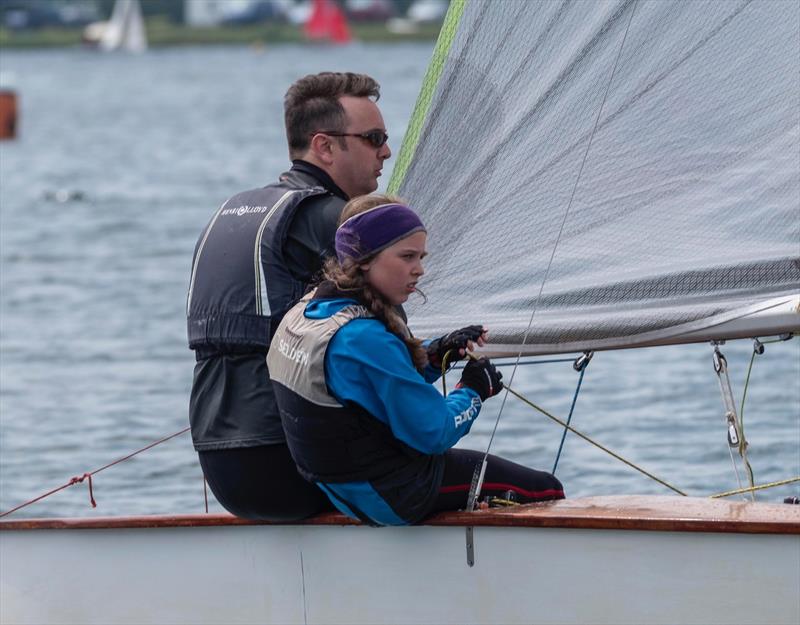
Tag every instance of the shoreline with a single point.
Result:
(162, 33)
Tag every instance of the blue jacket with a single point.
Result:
(367, 365)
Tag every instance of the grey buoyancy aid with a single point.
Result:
(328, 441)
(240, 285)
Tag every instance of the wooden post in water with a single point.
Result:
(8, 114)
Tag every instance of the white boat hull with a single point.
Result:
(352, 574)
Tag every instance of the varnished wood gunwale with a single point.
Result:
(623, 512)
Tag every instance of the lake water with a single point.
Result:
(120, 162)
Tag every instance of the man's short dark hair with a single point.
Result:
(312, 104)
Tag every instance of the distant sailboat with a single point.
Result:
(125, 30)
(327, 23)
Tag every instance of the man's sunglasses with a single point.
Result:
(376, 138)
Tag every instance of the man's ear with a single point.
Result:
(365, 267)
(322, 148)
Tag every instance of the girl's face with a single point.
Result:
(394, 272)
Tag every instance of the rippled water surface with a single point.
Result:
(121, 161)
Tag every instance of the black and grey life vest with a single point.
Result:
(328, 441)
(240, 285)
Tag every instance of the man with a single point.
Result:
(254, 259)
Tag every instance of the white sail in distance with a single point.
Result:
(651, 148)
(125, 30)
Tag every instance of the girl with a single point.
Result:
(354, 386)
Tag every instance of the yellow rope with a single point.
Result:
(595, 443)
(739, 491)
(444, 370)
(742, 448)
(568, 427)
(615, 455)
(500, 502)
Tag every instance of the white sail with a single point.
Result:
(609, 173)
(125, 30)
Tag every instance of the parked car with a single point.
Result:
(427, 11)
(369, 10)
(78, 13)
(24, 14)
(255, 12)
(29, 14)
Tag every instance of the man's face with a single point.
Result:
(356, 169)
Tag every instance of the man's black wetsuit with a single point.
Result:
(253, 261)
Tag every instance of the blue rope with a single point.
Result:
(569, 418)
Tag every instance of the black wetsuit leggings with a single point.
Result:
(261, 483)
(502, 475)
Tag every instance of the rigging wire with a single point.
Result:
(741, 489)
(752, 488)
(758, 349)
(89, 474)
(446, 366)
(569, 418)
(565, 425)
(733, 433)
(521, 364)
(736, 422)
(595, 443)
(480, 470)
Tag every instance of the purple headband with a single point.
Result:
(374, 230)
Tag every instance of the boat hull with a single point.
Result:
(331, 573)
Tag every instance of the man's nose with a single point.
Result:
(384, 152)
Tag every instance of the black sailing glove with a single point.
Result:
(454, 341)
(482, 377)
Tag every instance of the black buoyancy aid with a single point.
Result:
(240, 285)
(329, 442)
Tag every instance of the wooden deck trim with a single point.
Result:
(632, 512)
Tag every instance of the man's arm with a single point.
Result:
(311, 236)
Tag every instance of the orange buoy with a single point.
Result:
(8, 114)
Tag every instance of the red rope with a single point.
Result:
(77, 480)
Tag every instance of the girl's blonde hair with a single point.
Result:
(348, 276)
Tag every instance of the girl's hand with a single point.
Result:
(457, 343)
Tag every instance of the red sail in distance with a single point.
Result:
(327, 23)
